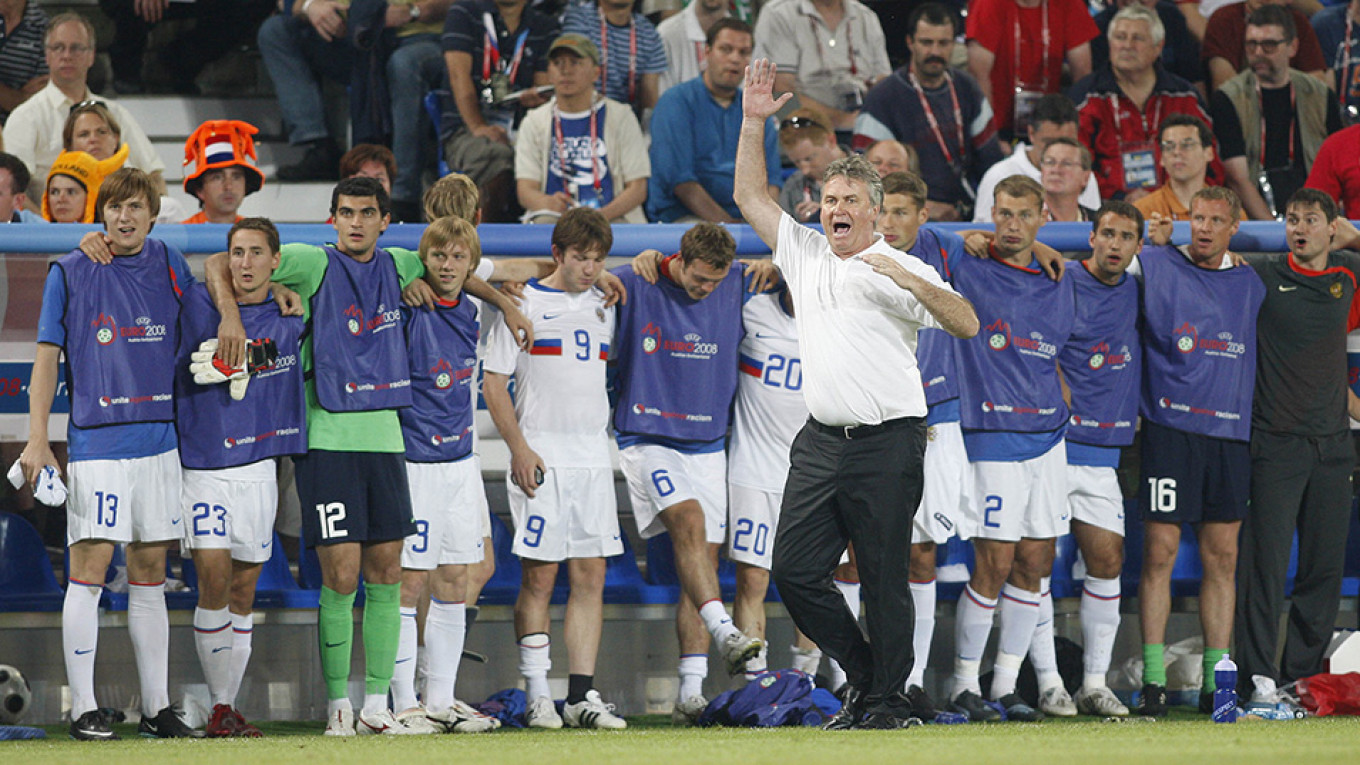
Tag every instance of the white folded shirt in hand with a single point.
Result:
(50, 491)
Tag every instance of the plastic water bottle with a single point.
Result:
(1225, 690)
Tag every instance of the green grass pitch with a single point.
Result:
(651, 741)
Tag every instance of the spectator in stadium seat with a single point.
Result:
(892, 157)
(33, 131)
(370, 160)
(938, 111)
(1054, 117)
(1123, 103)
(224, 171)
(1065, 168)
(605, 165)
(1187, 148)
(1338, 33)
(14, 192)
(695, 128)
(683, 36)
(218, 27)
(1335, 170)
(313, 43)
(1271, 119)
(1180, 52)
(23, 68)
(475, 133)
(1225, 55)
(73, 184)
(91, 127)
(1014, 79)
(632, 57)
(810, 144)
(828, 52)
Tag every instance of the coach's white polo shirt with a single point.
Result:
(856, 329)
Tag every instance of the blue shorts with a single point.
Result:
(1192, 478)
(353, 497)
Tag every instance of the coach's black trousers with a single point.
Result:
(1296, 483)
(864, 489)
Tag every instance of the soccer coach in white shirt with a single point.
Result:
(855, 471)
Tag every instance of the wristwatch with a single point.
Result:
(415, 13)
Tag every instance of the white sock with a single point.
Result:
(759, 664)
(1016, 619)
(212, 638)
(923, 596)
(336, 705)
(534, 664)
(1004, 673)
(972, 625)
(850, 591)
(806, 660)
(693, 670)
(404, 673)
(79, 639)
(445, 630)
(1099, 625)
(422, 671)
(242, 631)
(149, 628)
(1042, 653)
(717, 621)
(374, 703)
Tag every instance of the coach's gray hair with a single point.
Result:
(856, 168)
(1136, 12)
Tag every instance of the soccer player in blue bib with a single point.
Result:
(676, 349)
(447, 495)
(1199, 369)
(1101, 365)
(1013, 418)
(561, 483)
(228, 449)
(117, 325)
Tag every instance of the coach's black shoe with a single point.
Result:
(922, 706)
(1206, 702)
(92, 726)
(851, 711)
(974, 707)
(1152, 701)
(166, 724)
(887, 720)
(1017, 710)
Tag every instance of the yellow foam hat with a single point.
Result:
(88, 172)
(222, 143)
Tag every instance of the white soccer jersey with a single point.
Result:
(770, 407)
(560, 397)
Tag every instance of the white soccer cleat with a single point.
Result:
(341, 723)
(1100, 702)
(462, 718)
(686, 712)
(737, 649)
(380, 723)
(1057, 702)
(418, 722)
(593, 713)
(542, 713)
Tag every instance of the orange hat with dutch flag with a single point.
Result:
(220, 144)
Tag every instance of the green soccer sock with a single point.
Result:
(335, 629)
(1154, 664)
(1211, 657)
(382, 631)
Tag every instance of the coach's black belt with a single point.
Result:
(849, 432)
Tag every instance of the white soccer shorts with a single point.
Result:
(946, 493)
(134, 500)
(753, 516)
(1094, 497)
(660, 477)
(573, 514)
(448, 501)
(231, 509)
(1021, 500)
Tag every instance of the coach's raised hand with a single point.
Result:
(757, 98)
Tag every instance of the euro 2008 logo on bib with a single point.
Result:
(443, 374)
(355, 322)
(1097, 359)
(1187, 336)
(107, 332)
(1000, 335)
(651, 338)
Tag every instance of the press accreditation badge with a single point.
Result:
(1140, 165)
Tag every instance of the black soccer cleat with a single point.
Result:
(92, 726)
(166, 724)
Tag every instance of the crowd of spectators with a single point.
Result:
(496, 89)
